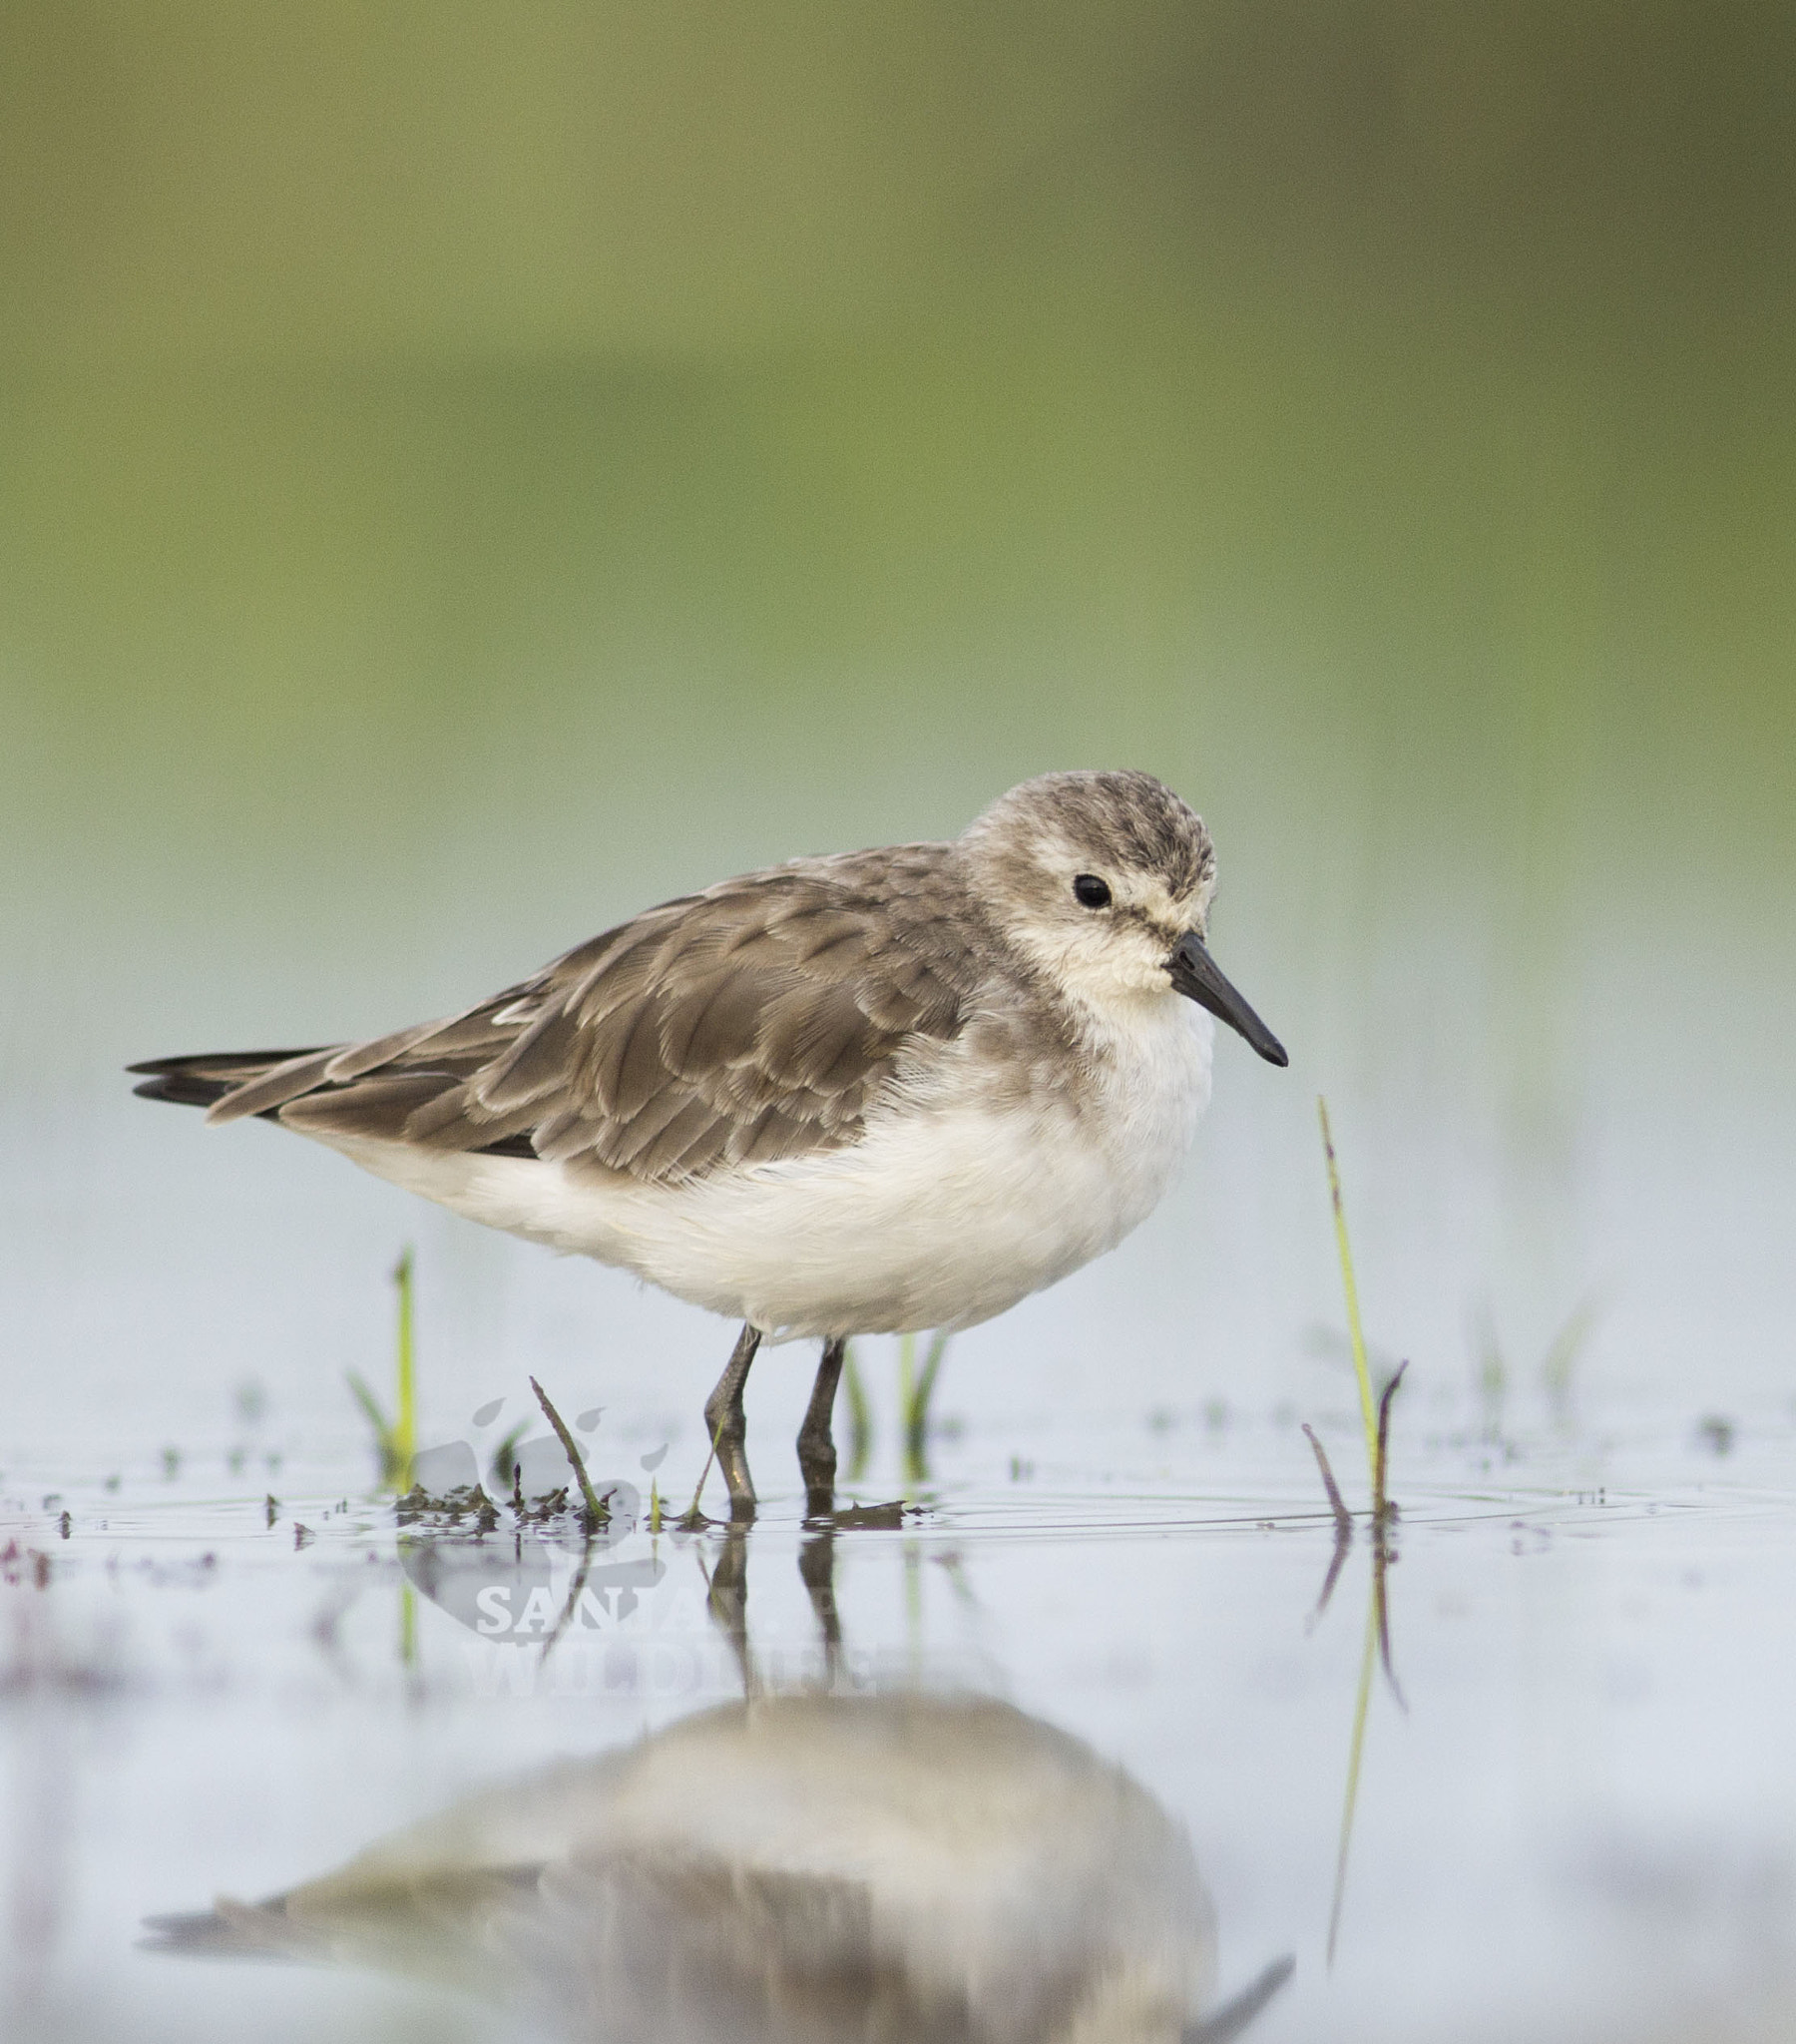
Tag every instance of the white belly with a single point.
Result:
(939, 1217)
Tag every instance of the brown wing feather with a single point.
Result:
(752, 1022)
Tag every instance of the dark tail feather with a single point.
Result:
(212, 1076)
(186, 1089)
(201, 1080)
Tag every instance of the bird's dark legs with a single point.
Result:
(727, 1427)
(816, 1440)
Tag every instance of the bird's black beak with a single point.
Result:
(1194, 976)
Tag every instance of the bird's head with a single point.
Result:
(1105, 881)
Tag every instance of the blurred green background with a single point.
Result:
(466, 472)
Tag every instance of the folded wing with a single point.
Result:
(756, 1021)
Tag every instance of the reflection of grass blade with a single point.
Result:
(1336, 1562)
(1382, 1609)
(1355, 1755)
(571, 1602)
(916, 1407)
(1354, 1330)
(860, 1419)
(1383, 1511)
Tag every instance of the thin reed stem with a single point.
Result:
(597, 1512)
(404, 1443)
(1355, 1333)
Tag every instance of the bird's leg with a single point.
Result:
(816, 1442)
(726, 1426)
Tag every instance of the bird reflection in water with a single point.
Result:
(803, 1869)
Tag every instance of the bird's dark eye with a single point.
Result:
(1091, 891)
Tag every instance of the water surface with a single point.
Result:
(1571, 1819)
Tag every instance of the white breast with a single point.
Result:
(944, 1214)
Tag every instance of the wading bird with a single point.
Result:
(873, 1093)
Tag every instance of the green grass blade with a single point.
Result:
(504, 1461)
(378, 1421)
(405, 1420)
(860, 1419)
(916, 1410)
(1355, 1333)
(907, 1375)
(1563, 1350)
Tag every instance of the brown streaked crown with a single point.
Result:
(1127, 822)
